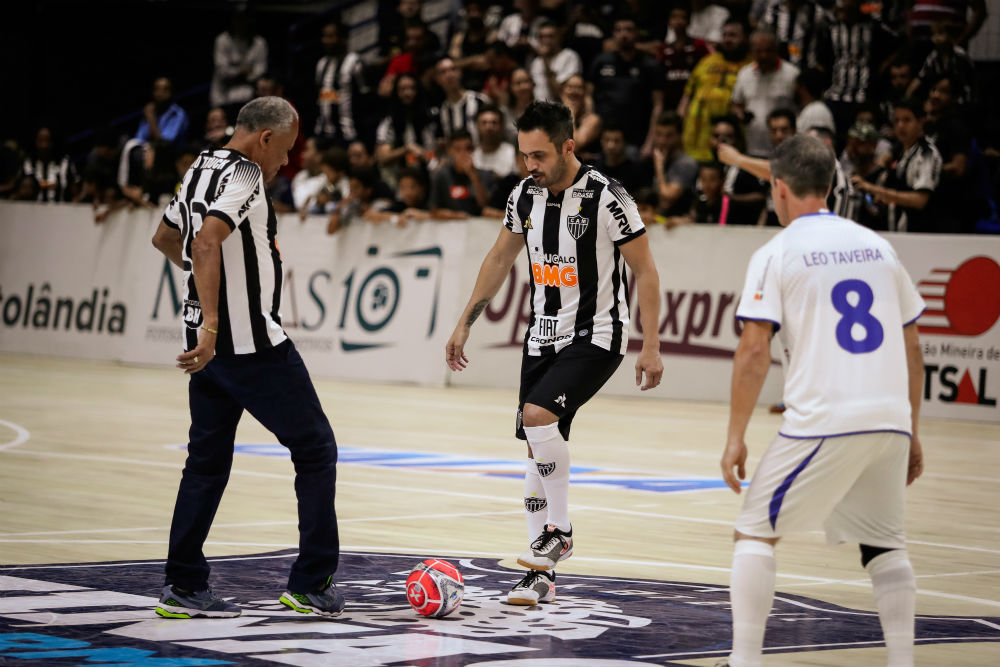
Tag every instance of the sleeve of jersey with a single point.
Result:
(238, 189)
(928, 171)
(911, 304)
(620, 214)
(172, 214)
(761, 300)
(511, 220)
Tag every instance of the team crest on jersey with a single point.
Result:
(577, 226)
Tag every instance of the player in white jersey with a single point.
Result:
(579, 229)
(845, 311)
(220, 229)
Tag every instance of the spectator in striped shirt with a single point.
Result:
(55, 175)
(946, 60)
(460, 106)
(913, 178)
(796, 23)
(853, 51)
(339, 80)
(405, 136)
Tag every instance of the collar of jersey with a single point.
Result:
(233, 150)
(822, 211)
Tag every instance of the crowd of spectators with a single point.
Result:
(422, 126)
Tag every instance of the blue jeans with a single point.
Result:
(275, 388)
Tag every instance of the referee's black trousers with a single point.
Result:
(273, 386)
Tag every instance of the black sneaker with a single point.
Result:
(328, 601)
(177, 603)
(552, 546)
(536, 586)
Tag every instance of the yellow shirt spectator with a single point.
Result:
(708, 89)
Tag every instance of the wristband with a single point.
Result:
(211, 331)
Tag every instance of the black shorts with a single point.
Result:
(564, 381)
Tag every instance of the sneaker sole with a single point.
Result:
(160, 611)
(294, 605)
(548, 564)
(527, 602)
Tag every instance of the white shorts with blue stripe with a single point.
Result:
(854, 486)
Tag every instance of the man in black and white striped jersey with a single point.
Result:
(56, 176)
(339, 78)
(220, 229)
(580, 228)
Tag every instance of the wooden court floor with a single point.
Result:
(91, 453)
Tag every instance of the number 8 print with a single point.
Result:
(859, 314)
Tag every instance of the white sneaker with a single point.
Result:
(536, 586)
(552, 546)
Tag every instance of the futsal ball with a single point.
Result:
(435, 588)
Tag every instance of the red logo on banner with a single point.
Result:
(970, 302)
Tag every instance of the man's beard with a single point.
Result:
(558, 170)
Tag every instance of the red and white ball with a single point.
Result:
(435, 588)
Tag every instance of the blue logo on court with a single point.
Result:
(470, 465)
(93, 614)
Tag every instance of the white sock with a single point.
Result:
(552, 458)
(535, 505)
(895, 589)
(751, 591)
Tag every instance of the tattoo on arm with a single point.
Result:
(476, 311)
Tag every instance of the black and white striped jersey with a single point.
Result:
(55, 177)
(225, 184)
(842, 200)
(578, 283)
(853, 52)
(338, 80)
(461, 115)
(795, 26)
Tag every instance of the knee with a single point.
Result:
(316, 448)
(738, 536)
(868, 553)
(533, 415)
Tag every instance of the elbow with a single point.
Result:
(201, 248)
(158, 242)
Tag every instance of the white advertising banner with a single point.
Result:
(368, 303)
(379, 303)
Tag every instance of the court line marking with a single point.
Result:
(771, 649)
(22, 436)
(864, 582)
(507, 499)
(962, 478)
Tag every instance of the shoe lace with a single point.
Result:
(529, 579)
(543, 541)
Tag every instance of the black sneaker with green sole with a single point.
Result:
(328, 601)
(178, 603)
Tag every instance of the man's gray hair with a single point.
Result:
(805, 164)
(267, 113)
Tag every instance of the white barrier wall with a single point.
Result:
(378, 303)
